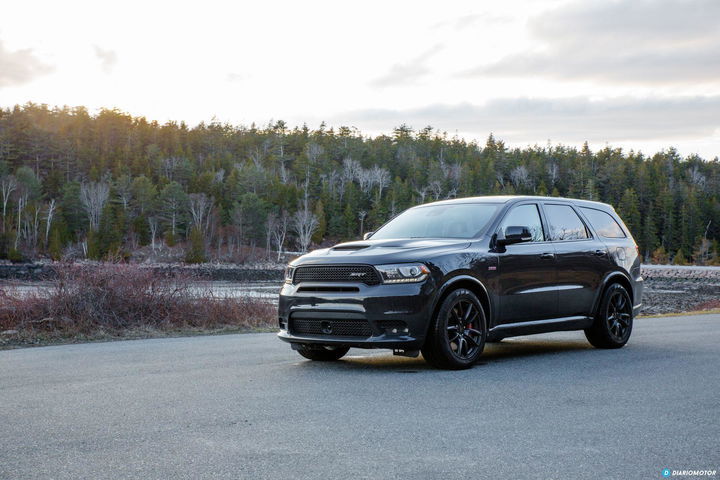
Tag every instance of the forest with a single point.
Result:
(111, 186)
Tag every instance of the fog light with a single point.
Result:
(396, 331)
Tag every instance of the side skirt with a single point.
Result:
(539, 326)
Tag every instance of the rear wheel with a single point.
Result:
(322, 353)
(457, 333)
(613, 320)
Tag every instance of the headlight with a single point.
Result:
(403, 272)
(289, 272)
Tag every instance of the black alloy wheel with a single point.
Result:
(458, 332)
(613, 321)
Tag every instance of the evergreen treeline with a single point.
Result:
(105, 185)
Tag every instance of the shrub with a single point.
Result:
(15, 256)
(115, 299)
(660, 256)
(196, 249)
(679, 258)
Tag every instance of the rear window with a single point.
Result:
(565, 223)
(603, 223)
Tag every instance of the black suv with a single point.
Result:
(446, 277)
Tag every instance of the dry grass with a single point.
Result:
(121, 301)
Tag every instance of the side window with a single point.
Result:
(603, 223)
(525, 216)
(564, 223)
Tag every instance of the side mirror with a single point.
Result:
(514, 234)
(367, 235)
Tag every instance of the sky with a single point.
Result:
(637, 74)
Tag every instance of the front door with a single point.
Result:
(527, 272)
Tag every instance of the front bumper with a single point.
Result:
(638, 290)
(380, 316)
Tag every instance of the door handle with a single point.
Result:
(600, 253)
(547, 255)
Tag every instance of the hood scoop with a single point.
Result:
(350, 247)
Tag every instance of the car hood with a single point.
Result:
(383, 251)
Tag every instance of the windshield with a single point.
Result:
(458, 220)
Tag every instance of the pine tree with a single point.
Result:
(628, 210)
(322, 222)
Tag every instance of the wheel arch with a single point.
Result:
(612, 278)
(471, 283)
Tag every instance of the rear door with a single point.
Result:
(582, 259)
(527, 272)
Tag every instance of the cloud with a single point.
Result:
(564, 119)
(235, 77)
(20, 67)
(108, 58)
(473, 20)
(409, 72)
(626, 41)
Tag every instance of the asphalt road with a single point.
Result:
(246, 406)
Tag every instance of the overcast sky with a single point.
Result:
(643, 75)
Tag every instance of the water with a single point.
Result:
(267, 291)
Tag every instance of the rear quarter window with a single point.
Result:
(603, 223)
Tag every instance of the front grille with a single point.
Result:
(340, 328)
(337, 273)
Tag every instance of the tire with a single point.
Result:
(613, 320)
(323, 353)
(445, 347)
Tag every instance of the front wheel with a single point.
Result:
(613, 320)
(457, 333)
(322, 353)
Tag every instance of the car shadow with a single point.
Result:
(507, 350)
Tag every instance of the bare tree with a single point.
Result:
(334, 183)
(49, 216)
(8, 184)
(199, 206)
(696, 176)
(361, 215)
(314, 151)
(436, 189)
(257, 157)
(168, 167)
(422, 193)
(280, 232)
(93, 197)
(304, 223)
(22, 195)
(553, 173)
(381, 180)
(153, 224)
(33, 224)
(520, 177)
(124, 190)
(350, 169)
(270, 226)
